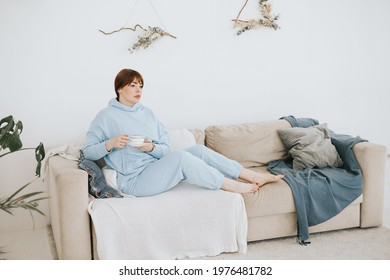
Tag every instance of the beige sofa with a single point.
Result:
(270, 211)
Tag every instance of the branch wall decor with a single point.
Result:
(148, 36)
(267, 19)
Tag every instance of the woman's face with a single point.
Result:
(131, 94)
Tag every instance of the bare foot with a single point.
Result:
(260, 179)
(239, 187)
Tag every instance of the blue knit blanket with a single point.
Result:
(321, 193)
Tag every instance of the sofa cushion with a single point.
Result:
(251, 144)
(181, 139)
(310, 147)
(271, 199)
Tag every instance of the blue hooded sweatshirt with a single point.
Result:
(117, 119)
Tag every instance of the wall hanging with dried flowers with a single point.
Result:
(148, 36)
(267, 19)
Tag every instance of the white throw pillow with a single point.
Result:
(180, 139)
(110, 176)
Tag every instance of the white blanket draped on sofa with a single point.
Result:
(187, 221)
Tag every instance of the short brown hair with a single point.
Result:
(126, 77)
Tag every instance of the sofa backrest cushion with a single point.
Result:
(251, 144)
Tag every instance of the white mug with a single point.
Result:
(136, 140)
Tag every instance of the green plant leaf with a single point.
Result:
(15, 193)
(6, 125)
(13, 142)
(10, 131)
(9, 134)
(39, 156)
(12, 202)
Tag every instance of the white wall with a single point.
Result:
(330, 60)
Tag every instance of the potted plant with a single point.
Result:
(10, 142)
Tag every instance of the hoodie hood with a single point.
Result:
(115, 103)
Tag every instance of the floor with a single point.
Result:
(37, 244)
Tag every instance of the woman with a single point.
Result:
(152, 168)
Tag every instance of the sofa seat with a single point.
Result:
(196, 222)
(273, 198)
(271, 212)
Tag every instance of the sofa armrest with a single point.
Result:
(372, 161)
(68, 190)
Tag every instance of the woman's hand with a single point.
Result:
(117, 142)
(148, 146)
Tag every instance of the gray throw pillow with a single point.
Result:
(310, 147)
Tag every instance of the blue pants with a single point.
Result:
(197, 165)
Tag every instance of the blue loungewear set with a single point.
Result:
(150, 173)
